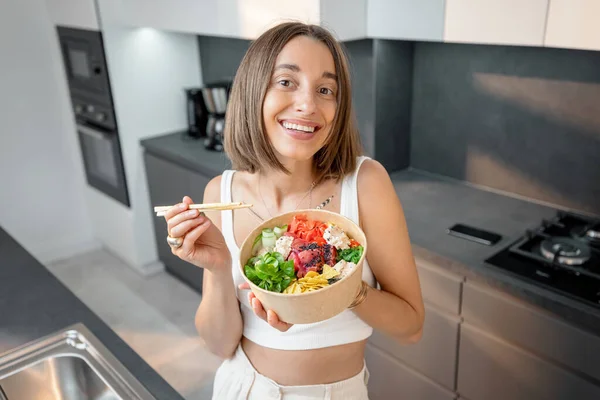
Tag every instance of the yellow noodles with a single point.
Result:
(312, 281)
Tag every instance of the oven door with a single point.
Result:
(103, 161)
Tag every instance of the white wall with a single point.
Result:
(41, 174)
(74, 13)
(149, 70)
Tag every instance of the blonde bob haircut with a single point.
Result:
(245, 140)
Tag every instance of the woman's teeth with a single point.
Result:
(302, 128)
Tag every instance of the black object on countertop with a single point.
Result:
(33, 303)
(474, 234)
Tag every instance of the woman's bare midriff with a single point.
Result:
(306, 367)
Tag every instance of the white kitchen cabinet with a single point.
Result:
(73, 13)
(492, 369)
(346, 18)
(390, 379)
(230, 18)
(435, 356)
(531, 328)
(510, 22)
(573, 24)
(406, 19)
(238, 19)
(439, 286)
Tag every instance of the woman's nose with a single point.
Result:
(305, 101)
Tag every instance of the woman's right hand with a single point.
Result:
(203, 244)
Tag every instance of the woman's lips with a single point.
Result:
(300, 135)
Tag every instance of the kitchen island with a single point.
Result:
(33, 304)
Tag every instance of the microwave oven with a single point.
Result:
(84, 62)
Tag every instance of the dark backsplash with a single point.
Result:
(381, 94)
(519, 119)
(220, 57)
(362, 69)
(524, 120)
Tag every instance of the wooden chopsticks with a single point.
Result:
(162, 210)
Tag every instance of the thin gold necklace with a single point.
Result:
(312, 186)
(308, 193)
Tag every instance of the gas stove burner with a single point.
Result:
(589, 234)
(593, 233)
(565, 250)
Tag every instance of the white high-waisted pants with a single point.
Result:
(236, 379)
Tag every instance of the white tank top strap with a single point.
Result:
(349, 200)
(227, 215)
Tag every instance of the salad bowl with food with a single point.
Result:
(305, 265)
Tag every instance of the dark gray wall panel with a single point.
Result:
(220, 57)
(524, 120)
(393, 97)
(362, 68)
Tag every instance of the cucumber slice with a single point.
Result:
(257, 244)
(269, 241)
(268, 232)
(279, 230)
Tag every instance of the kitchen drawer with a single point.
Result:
(440, 287)
(492, 369)
(435, 354)
(534, 330)
(392, 380)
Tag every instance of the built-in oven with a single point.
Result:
(101, 149)
(89, 86)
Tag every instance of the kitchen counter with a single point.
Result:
(187, 152)
(431, 205)
(33, 303)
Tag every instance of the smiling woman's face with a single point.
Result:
(300, 104)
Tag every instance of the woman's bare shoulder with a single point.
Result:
(212, 191)
(377, 198)
(371, 174)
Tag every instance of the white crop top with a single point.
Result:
(345, 327)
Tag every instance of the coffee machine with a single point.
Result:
(197, 114)
(206, 113)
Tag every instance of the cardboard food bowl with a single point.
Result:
(318, 305)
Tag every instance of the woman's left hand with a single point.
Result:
(268, 316)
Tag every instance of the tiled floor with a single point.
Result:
(154, 315)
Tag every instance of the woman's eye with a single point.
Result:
(325, 91)
(284, 82)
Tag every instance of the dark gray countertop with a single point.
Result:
(432, 205)
(187, 152)
(33, 303)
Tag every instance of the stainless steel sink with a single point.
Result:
(69, 365)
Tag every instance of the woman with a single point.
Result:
(291, 136)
